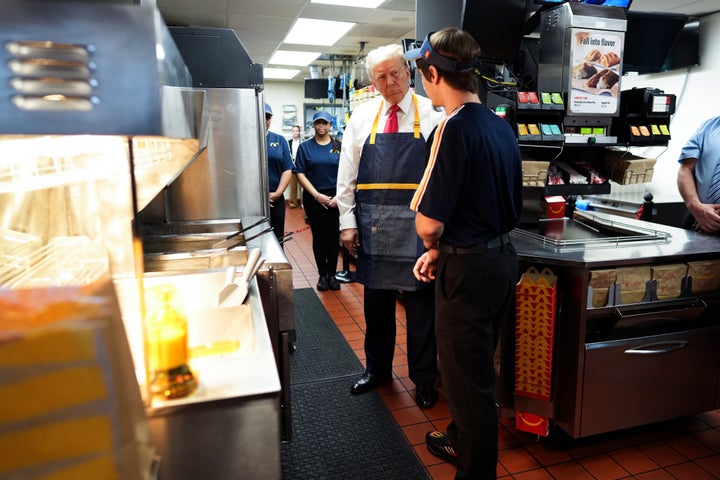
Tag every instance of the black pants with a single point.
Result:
(277, 217)
(325, 227)
(380, 331)
(475, 294)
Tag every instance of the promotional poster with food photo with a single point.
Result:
(596, 70)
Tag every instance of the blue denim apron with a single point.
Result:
(391, 167)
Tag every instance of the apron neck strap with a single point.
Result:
(416, 120)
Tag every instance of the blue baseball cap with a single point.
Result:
(427, 53)
(268, 110)
(322, 115)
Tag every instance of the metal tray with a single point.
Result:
(587, 230)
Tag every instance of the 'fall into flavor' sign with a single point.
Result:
(596, 59)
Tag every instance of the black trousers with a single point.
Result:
(277, 217)
(325, 227)
(475, 294)
(381, 328)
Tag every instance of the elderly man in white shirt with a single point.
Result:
(381, 164)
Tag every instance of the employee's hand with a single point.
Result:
(274, 196)
(426, 266)
(707, 217)
(326, 200)
(350, 240)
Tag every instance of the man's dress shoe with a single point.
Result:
(367, 382)
(425, 395)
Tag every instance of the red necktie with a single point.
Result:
(391, 126)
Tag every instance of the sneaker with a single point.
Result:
(346, 276)
(334, 284)
(439, 445)
(323, 283)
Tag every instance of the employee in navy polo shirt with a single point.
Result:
(280, 166)
(469, 199)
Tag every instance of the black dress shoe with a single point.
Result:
(425, 395)
(323, 283)
(367, 382)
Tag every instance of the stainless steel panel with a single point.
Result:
(236, 439)
(99, 66)
(644, 380)
(229, 179)
(552, 51)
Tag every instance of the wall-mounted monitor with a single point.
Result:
(498, 28)
(658, 42)
(685, 50)
(316, 88)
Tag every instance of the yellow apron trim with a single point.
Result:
(416, 121)
(387, 186)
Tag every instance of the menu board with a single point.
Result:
(596, 68)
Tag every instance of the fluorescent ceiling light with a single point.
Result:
(286, 57)
(351, 3)
(309, 31)
(279, 73)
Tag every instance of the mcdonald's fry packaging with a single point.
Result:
(70, 403)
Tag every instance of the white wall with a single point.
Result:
(279, 93)
(698, 98)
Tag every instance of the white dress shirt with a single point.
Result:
(356, 133)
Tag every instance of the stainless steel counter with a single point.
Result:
(275, 280)
(602, 377)
(680, 244)
(233, 418)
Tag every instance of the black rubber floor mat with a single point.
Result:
(336, 435)
(321, 349)
(339, 436)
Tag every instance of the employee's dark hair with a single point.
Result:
(460, 46)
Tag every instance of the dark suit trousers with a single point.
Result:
(380, 332)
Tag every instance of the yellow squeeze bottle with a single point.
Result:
(167, 344)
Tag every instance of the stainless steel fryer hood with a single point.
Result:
(91, 68)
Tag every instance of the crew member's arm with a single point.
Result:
(429, 230)
(286, 175)
(706, 215)
(322, 199)
(284, 182)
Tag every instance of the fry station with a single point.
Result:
(132, 212)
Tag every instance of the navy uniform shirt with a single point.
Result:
(319, 163)
(279, 158)
(473, 180)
